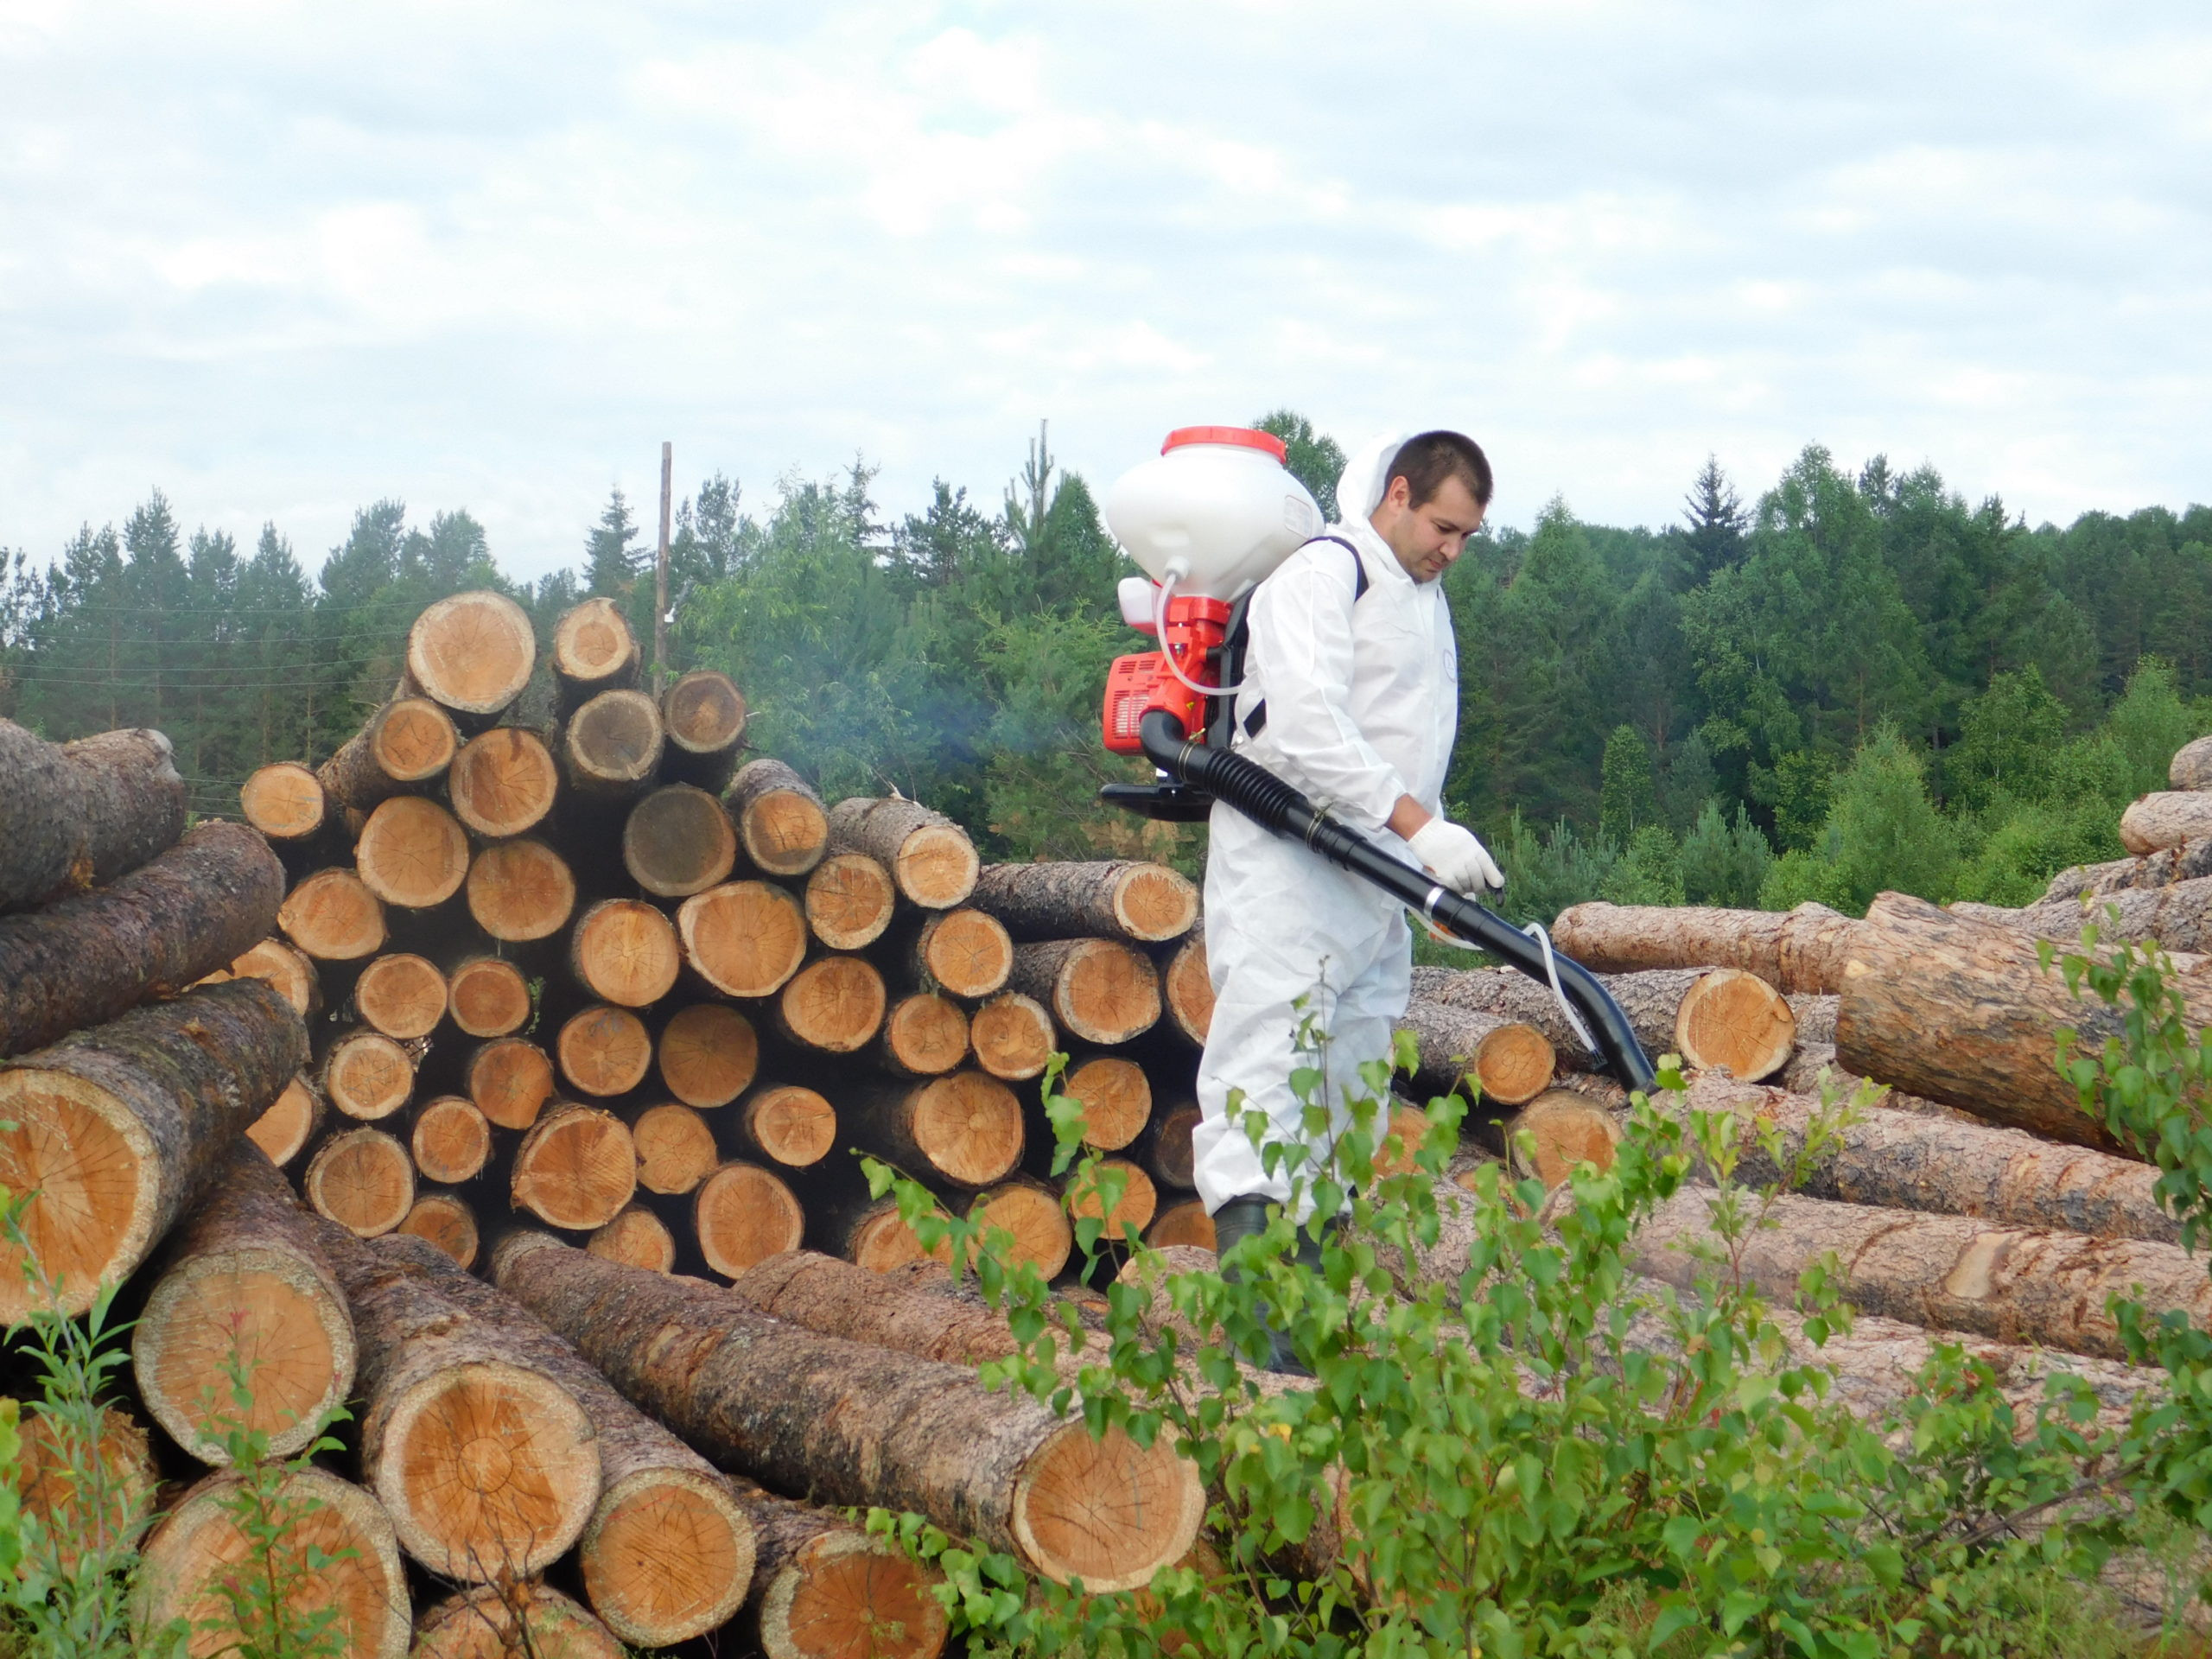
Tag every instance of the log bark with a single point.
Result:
(412, 853)
(929, 857)
(367, 1076)
(781, 819)
(667, 1554)
(708, 1054)
(593, 651)
(74, 816)
(1167, 1154)
(849, 901)
(487, 1465)
(2165, 818)
(187, 914)
(505, 1620)
(1947, 1273)
(245, 1281)
(332, 916)
(704, 715)
(520, 890)
(447, 1222)
(451, 1139)
(857, 1425)
(624, 951)
(1116, 1098)
(610, 748)
(1900, 1160)
(824, 1590)
(783, 1123)
(1188, 987)
(1800, 950)
(2186, 862)
(2177, 916)
(1916, 972)
(118, 1130)
(677, 841)
(924, 1035)
(1184, 1223)
(834, 1004)
(675, 1149)
(285, 801)
(487, 997)
(1132, 1209)
(401, 994)
(576, 1169)
(333, 1551)
(285, 966)
(362, 1180)
(504, 782)
(1138, 903)
(510, 1078)
(48, 1477)
(965, 1129)
(836, 1297)
(638, 1237)
(402, 749)
(292, 1121)
(962, 952)
(1101, 991)
(2192, 766)
(1506, 1061)
(1012, 1036)
(472, 654)
(742, 1215)
(603, 1051)
(744, 939)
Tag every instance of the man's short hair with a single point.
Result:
(1426, 460)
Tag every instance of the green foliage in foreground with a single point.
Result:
(1516, 1446)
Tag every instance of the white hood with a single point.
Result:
(1359, 491)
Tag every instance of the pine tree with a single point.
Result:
(611, 563)
(1715, 538)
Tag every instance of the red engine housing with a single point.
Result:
(1192, 631)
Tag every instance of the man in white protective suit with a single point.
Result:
(1350, 693)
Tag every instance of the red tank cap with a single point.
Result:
(1242, 437)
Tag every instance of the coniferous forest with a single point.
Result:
(1814, 686)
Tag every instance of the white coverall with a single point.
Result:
(1363, 703)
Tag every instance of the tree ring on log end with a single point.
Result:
(938, 866)
(969, 953)
(636, 1237)
(1107, 992)
(675, 1149)
(1116, 1098)
(786, 831)
(969, 1126)
(363, 1180)
(705, 713)
(927, 1033)
(1567, 1129)
(605, 1051)
(1514, 1064)
(414, 741)
(451, 1141)
(282, 1131)
(849, 901)
(576, 1169)
(834, 1005)
(677, 841)
(445, 1219)
(1153, 903)
(520, 890)
(625, 952)
(283, 800)
(510, 1079)
(412, 853)
(744, 939)
(368, 1076)
(334, 917)
(1737, 1020)
(668, 1556)
(1187, 1222)
(1032, 1215)
(592, 641)
(1139, 1203)
(402, 994)
(472, 652)
(744, 1215)
(504, 782)
(880, 1240)
(845, 1595)
(488, 997)
(1190, 990)
(1107, 1511)
(793, 1125)
(1012, 1036)
(708, 1054)
(482, 1623)
(487, 1469)
(93, 1175)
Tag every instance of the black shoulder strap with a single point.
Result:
(1256, 721)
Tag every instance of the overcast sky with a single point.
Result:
(279, 260)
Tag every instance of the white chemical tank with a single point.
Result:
(1216, 511)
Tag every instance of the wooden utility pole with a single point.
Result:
(660, 574)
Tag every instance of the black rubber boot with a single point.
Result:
(1240, 1218)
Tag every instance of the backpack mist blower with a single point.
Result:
(1207, 520)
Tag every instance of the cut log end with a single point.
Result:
(512, 1618)
(849, 901)
(451, 1141)
(402, 994)
(744, 939)
(488, 997)
(576, 1169)
(1032, 1218)
(334, 917)
(472, 652)
(367, 1076)
(1737, 1020)
(637, 1238)
(969, 1128)
(1012, 1036)
(611, 747)
(363, 1180)
(677, 841)
(1514, 1064)
(46, 1477)
(937, 866)
(708, 1054)
(509, 1079)
(624, 951)
(285, 801)
(593, 647)
(924, 1035)
(967, 952)
(1107, 1511)
(844, 1595)
(790, 1125)
(1116, 1098)
(282, 1132)
(447, 1221)
(93, 1170)
(1172, 1159)
(284, 966)
(412, 853)
(668, 1556)
(1155, 904)
(1190, 989)
(744, 1215)
(704, 712)
(519, 890)
(413, 741)
(785, 830)
(1132, 1213)
(880, 1239)
(1566, 1128)
(605, 1051)
(834, 1005)
(675, 1149)
(1100, 990)
(1186, 1223)
(504, 782)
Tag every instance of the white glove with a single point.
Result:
(1455, 857)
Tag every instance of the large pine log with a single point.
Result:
(868, 1232)
(1187, 987)
(741, 1215)
(332, 1551)
(487, 1465)
(675, 1148)
(744, 939)
(403, 749)
(1029, 1213)
(285, 966)
(361, 1179)
(708, 1054)
(2179, 916)
(74, 816)
(638, 1237)
(965, 1129)
(1116, 1098)
(1506, 1061)
(824, 1590)
(837, 1299)
(331, 917)
(401, 994)
(1555, 1133)
(244, 1282)
(86, 1488)
(611, 747)
(292, 1121)
(834, 1004)
(366, 1076)
(924, 1035)
(510, 1078)
(1800, 950)
(487, 996)
(2192, 766)
(849, 901)
(677, 841)
(286, 802)
(447, 1222)
(1012, 1036)
(1144, 904)
(521, 1620)
(576, 1169)
(2186, 862)
(667, 1554)
(451, 1139)
(519, 890)
(624, 951)
(176, 920)
(859, 1425)
(1948, 1273)
(593, 651)
(1100, 990)
(929, 856)
(786, 1124)
(504, 782)
(704, 715)
(781, 819)
(412, 853)
(1963, 1013)
(2165, 818)
(117, 1131)
(965, 952)
(472, 654)
(603, 1051)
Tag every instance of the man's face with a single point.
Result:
(1428, 538)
